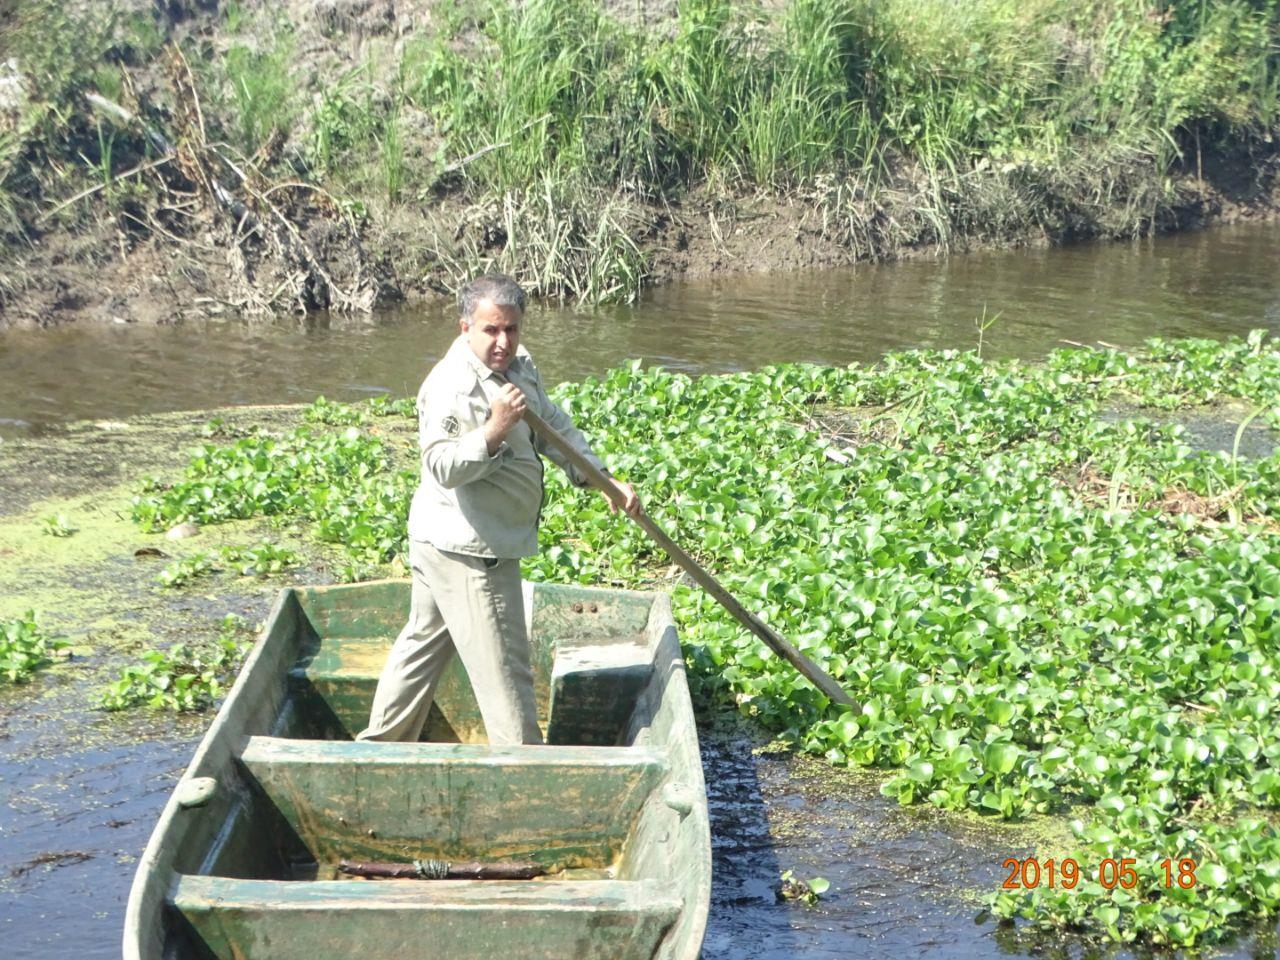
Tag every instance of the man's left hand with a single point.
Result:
(630, 502)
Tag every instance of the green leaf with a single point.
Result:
(999, 712)
(1112, 803)
(1212, 874)
(921, 771)
(1000, 757)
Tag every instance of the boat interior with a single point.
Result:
(609, 811)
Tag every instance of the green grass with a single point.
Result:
(261, 98)
(1013, 116)
(835, 86)
(391, 156)
(61, 54)
(342, 120)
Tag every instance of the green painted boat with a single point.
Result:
(243, 863)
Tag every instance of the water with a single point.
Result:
(79, 795)
(895, 873)
(75, 824)
(905, 881)
(72, 824)
(1213, 283)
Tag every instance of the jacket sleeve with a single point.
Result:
(451, 456)
(563, 425)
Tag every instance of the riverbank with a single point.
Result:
(255, 158)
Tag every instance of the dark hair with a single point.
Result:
(497, 287)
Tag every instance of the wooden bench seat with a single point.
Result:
(561, 807)
(409, 919)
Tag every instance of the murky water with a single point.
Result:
(1213, 283)
(75, 824)
(895, 874)
(75, 813)
(79, 796)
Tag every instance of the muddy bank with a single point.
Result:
(102, 274)
(161, 164)
(761, 233)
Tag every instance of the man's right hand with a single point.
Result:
(504, 413)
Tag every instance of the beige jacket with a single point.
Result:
(470, 502)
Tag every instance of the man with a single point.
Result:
(474, 515)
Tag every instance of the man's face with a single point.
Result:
(493, 334)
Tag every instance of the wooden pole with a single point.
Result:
(820, 679)
(440, 870)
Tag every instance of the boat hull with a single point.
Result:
(243, 862)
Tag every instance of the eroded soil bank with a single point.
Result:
(99, 275)
(192, 160)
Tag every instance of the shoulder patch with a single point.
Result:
(450, 426)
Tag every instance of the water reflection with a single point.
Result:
(1212, 283)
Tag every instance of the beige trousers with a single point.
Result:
(460, 603)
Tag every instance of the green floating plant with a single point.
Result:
(25, 648)
(343, 482)
(57, 525)
(184, 678)
(261, 560)
(791, 887)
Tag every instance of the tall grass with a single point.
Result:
(343, 119)
(60, 53)
(907, 121)
(9, 155)
(261, 96)
(391, 155)
(838, 85)
(559, 237)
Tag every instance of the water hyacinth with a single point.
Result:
(25, 648)
(1024, 641)
(184, 678)
(343, 481)
(1043, 605)
(261, 560)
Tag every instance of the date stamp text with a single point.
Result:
(1066, 873)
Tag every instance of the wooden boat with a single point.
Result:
(243, 861)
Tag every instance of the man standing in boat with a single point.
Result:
(474, 515)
